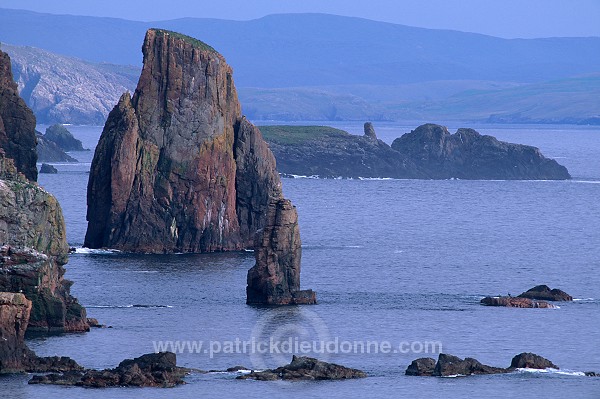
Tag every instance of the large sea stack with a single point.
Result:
(177, 168)
(33, 245)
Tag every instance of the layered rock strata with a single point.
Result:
(177, 168)
(275, 278)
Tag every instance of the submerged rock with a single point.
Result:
(150, 370)
(275, 278)
(515, 302)
(177, 168)
(305, 368)
(17, 124)
(47, 168)
(449, 365)
(470, 155)
(544, 292)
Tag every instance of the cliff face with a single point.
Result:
(17, 123)
(470, 155)
(33, 245)
(171, 158)
(14, 315)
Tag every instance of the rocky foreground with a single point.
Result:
(428, 152)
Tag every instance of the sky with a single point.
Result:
(502, 18)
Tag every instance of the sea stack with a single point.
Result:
(177, 167)
(275, 279)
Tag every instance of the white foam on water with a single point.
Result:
(583, 299)
(81, 250)
(551, 371)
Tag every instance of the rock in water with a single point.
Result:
(543, 292)
(515, 302)
(275, 278)
(17, 123)
(63, 138)
(421, 367)
(531, 361)
(48, 151)
(448, 365)
(469, 155)
(47, 168)
(306, 368)
(177, 168)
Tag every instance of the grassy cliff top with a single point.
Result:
(188, 39)
(290, 135)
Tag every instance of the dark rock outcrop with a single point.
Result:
(423, 366)
(543, 292)
(150, 370)
(515, 302)
(469, 155)
(275, 278)
(48, 151)
(370, 131)
(331, 153)
(177, 168)
(47, 168)
(17, 123)
(305, 368)
(449, 365)
(63, 138)
(531, 361)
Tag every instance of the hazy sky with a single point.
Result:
(504, 18)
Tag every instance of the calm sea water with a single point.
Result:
(397, 261)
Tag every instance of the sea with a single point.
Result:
(399, 267)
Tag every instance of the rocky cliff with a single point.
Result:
(14, 315)
(275, 279)
(177, 168)
(33, 245)
(470, 155)
(17, 123)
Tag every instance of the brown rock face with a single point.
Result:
(17, 123)
(543, 292)
(275, 278)
(14, 315)
(170, 161)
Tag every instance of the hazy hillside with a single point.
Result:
(316, 49)
(68, 90)
(315, 67)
